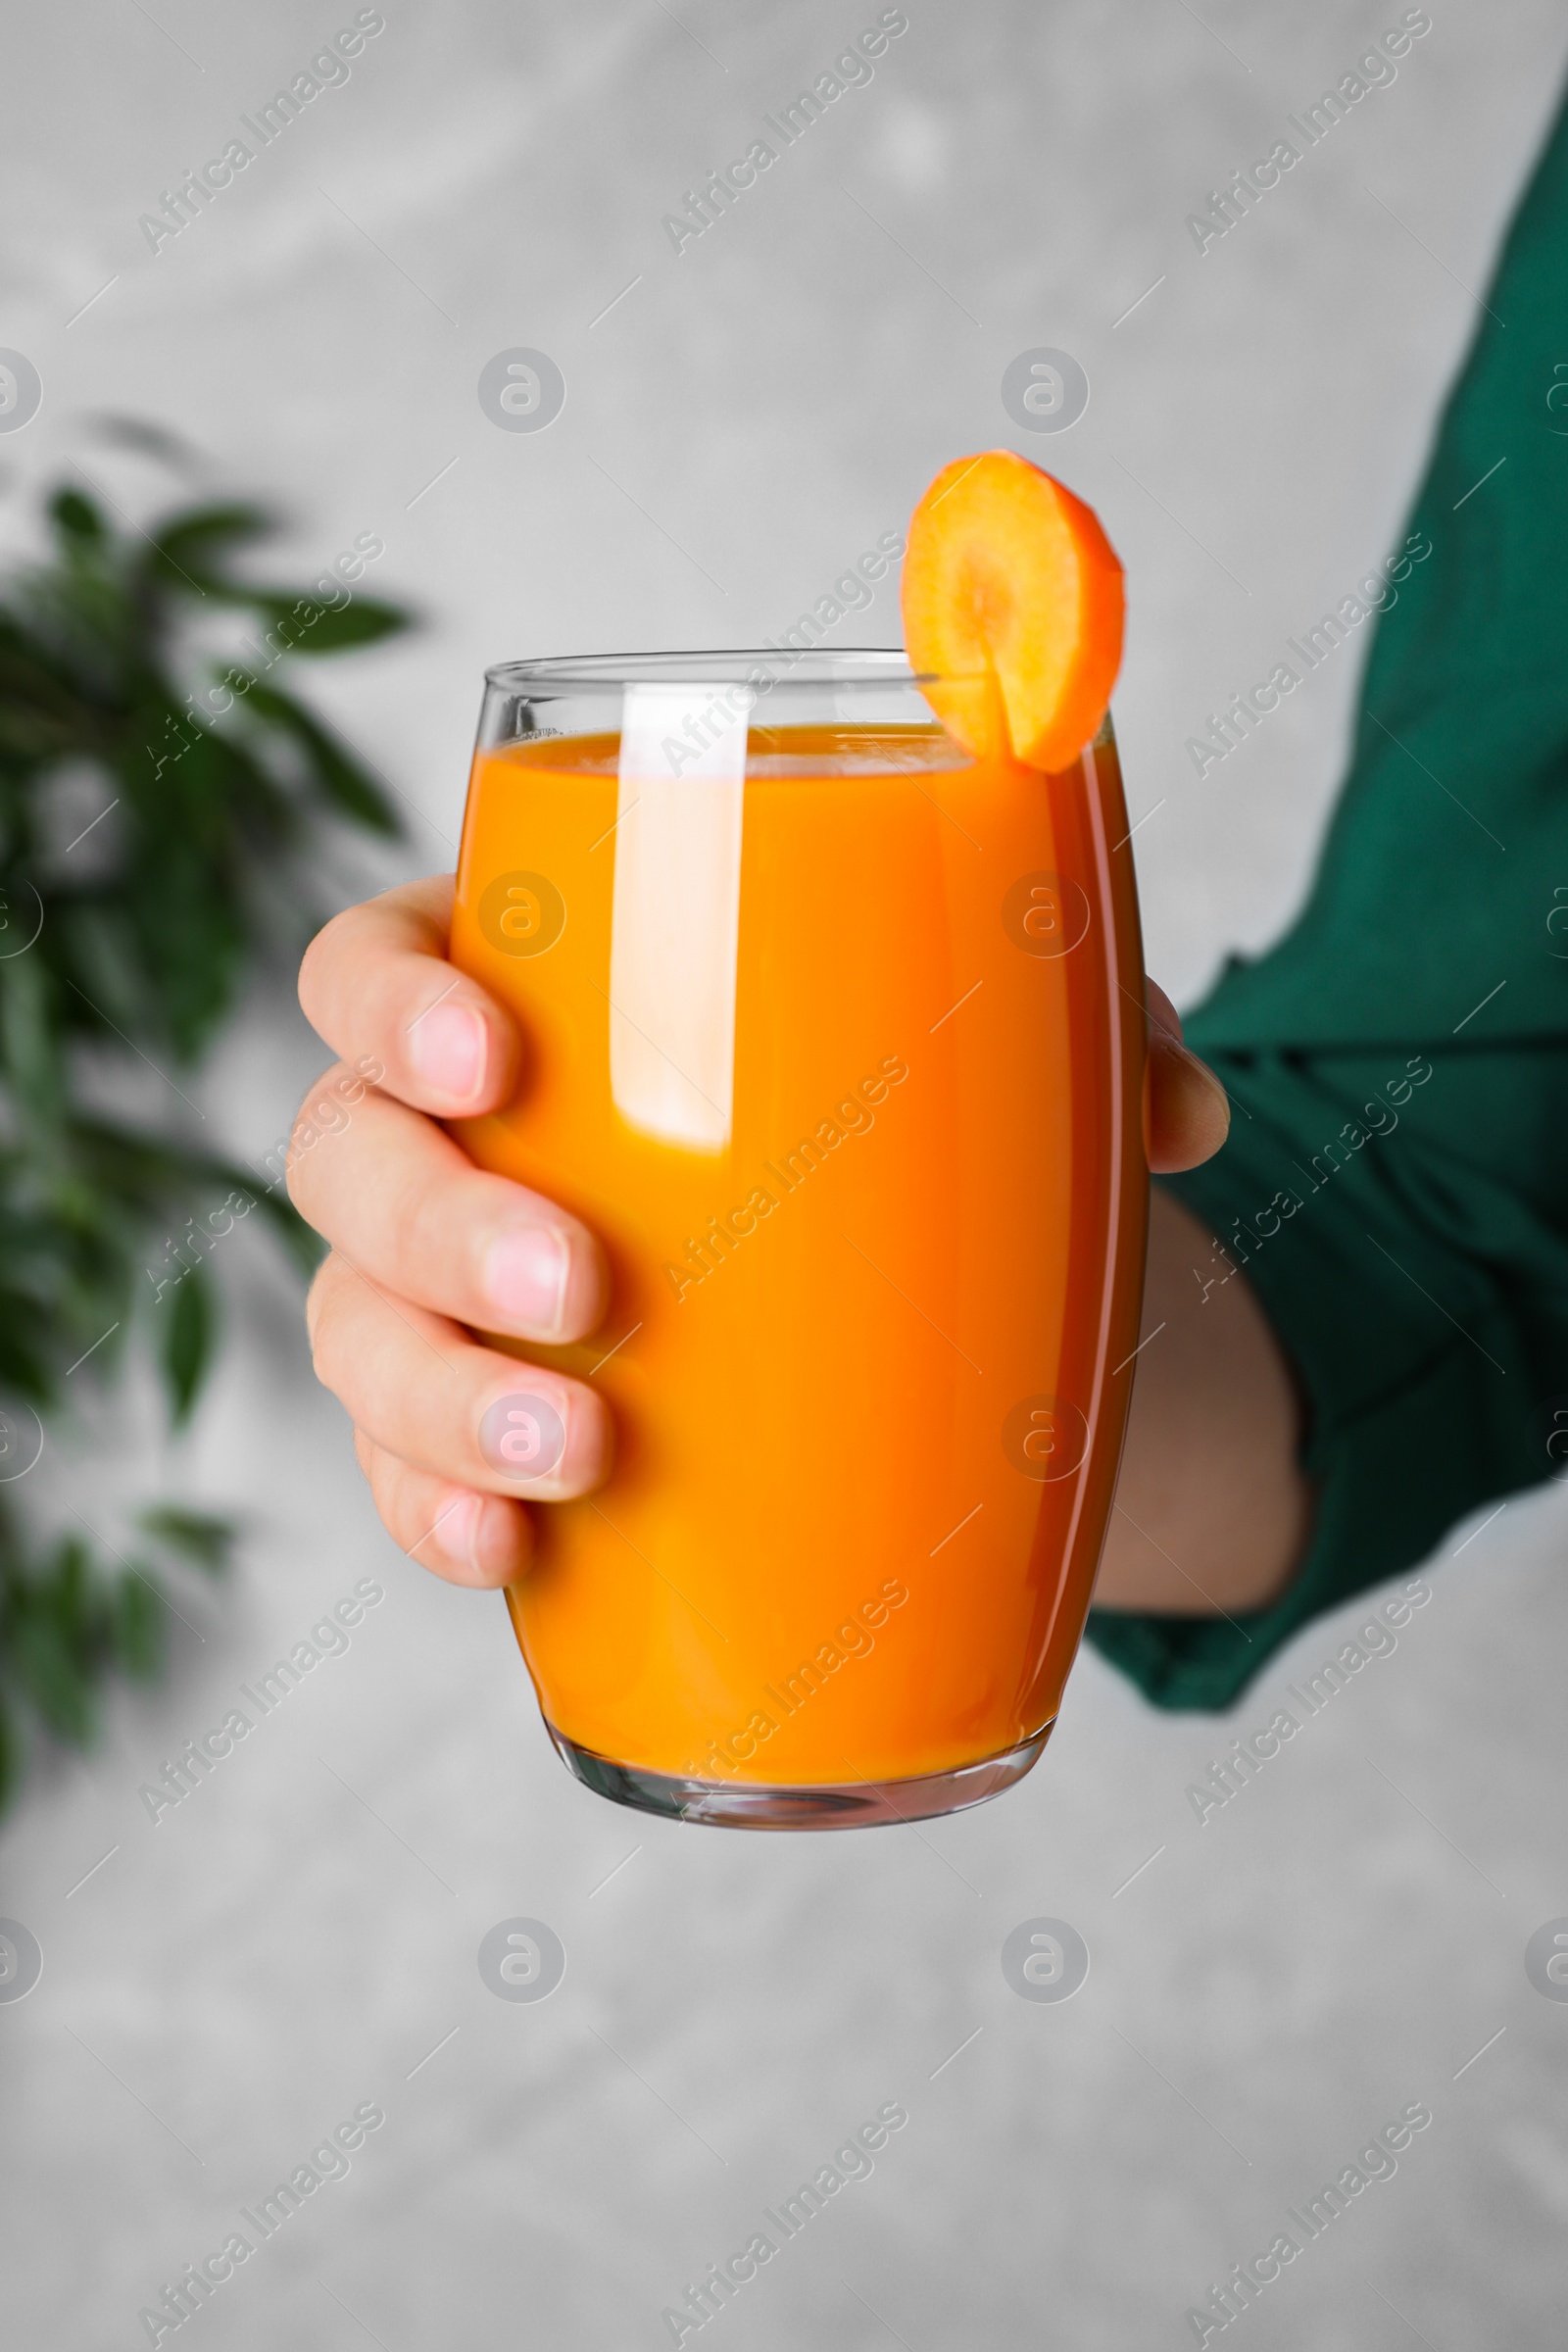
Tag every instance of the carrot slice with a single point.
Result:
(1012, 600)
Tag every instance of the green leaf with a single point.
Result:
(77, 517)
(310, 626)
(340, 778)
(148, 440)
(200, 1537)
(188, 1341)
(303, 1243)
(186, 547)
(152, 930)
(140, 1616)
(10, 1755)
(51, 1675)
(302, 623)
(68, 1595)
(34, 1072)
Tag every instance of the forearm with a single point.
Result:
(1212, 1511)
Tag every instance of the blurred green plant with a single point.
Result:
(129, 945)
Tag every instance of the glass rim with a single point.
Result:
(818, 666)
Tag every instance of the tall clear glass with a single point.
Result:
(835, 1036)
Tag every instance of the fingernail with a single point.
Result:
(457, 1527)
(526, 1278)
(1215, 1086)
(524, 1436)
(482, 1535)
(447, 1046)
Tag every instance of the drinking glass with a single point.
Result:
(834, 1035)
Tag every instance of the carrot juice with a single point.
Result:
(835, 1039)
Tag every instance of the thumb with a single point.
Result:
(1187, 1113)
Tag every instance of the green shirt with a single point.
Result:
(1395, 1179)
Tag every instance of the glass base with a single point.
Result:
(836, 1805)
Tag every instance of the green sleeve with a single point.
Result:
(1408, 1236)
(1421, 1296)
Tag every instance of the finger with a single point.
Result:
(376, 986)
(468, 1539)
(410, 1210)
(419, 1388)
(1163, 1013)
(1187, 1113)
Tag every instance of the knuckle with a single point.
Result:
(415, 1219)
(390, 1482)
(324, 1105)
(326, 1109)
(317, 963)
(323, 1315)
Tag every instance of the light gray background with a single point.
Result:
(300, 1935)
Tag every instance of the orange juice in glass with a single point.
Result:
(835, 1037)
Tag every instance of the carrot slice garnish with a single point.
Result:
(1012, 603)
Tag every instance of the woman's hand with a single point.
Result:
(424, 1245)
(1212, 1509)
(1187, 1114)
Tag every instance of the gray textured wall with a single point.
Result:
(294, 1939)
